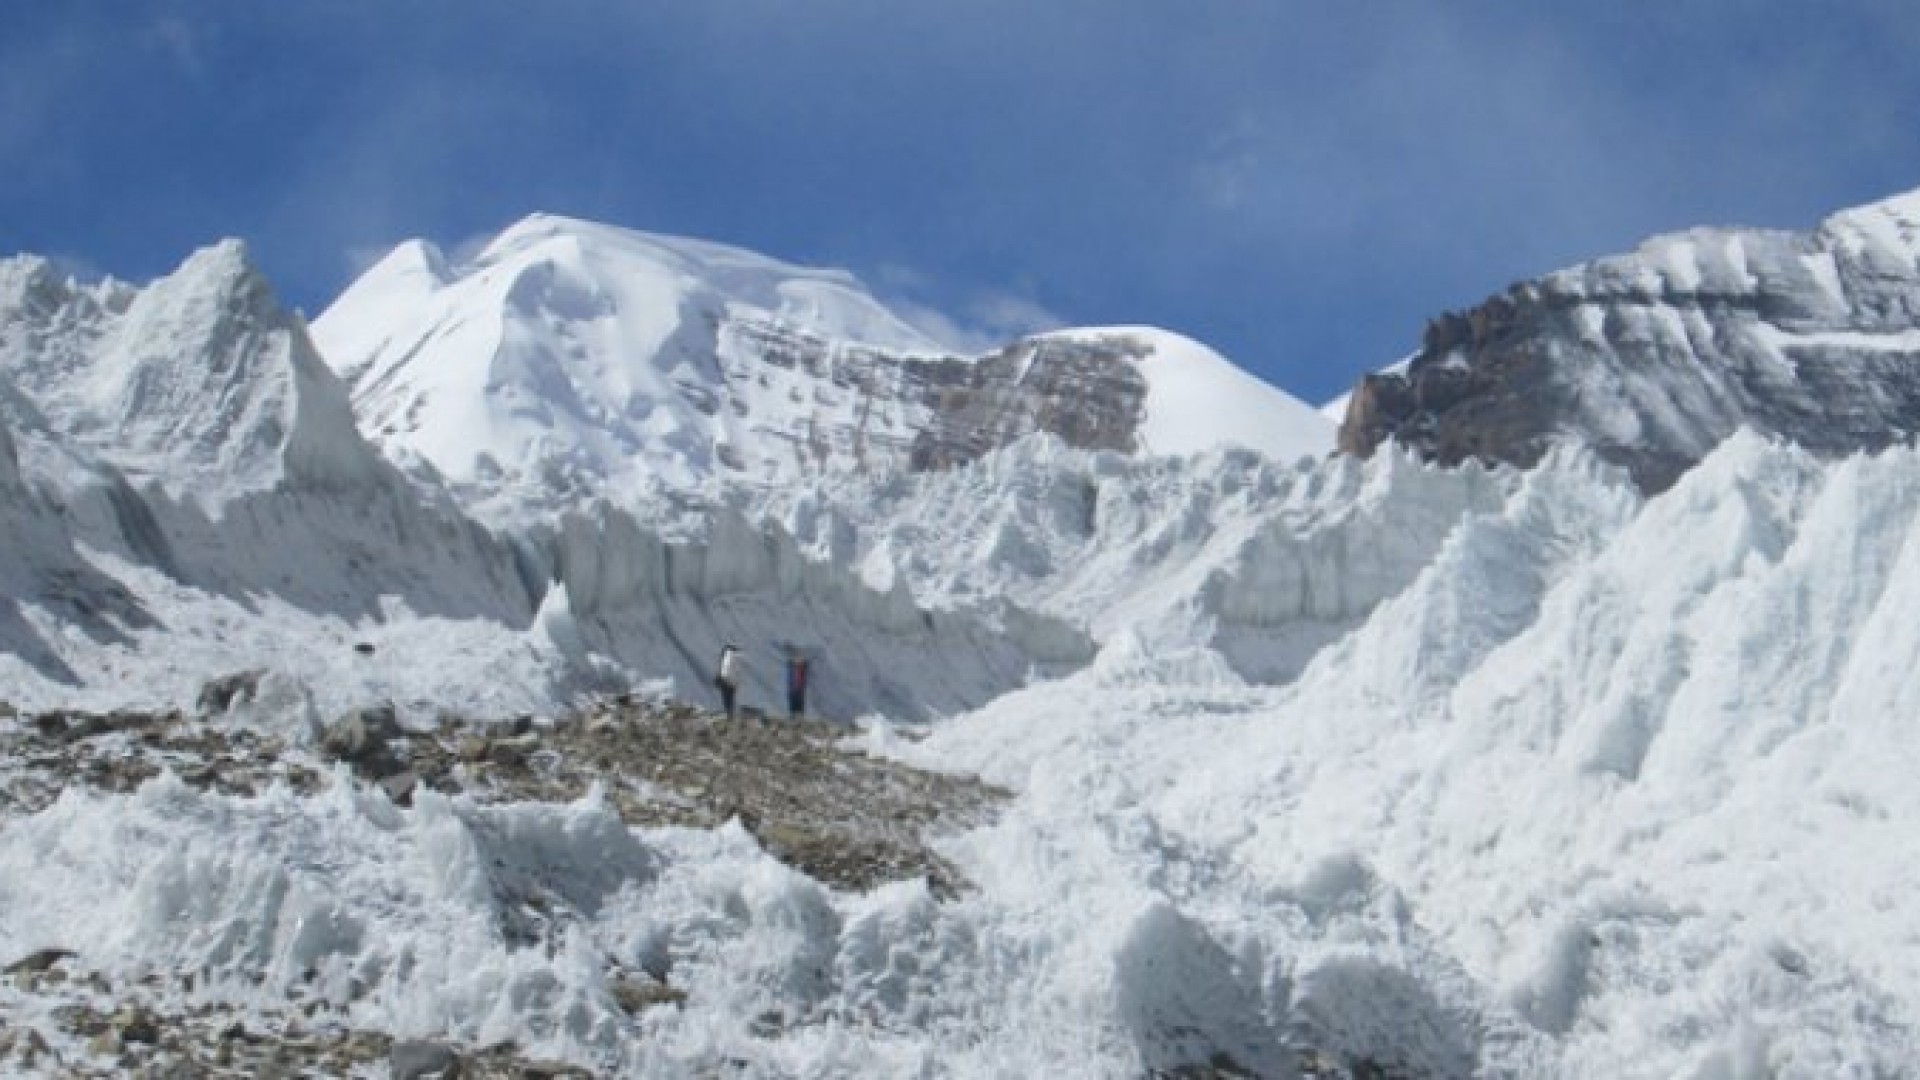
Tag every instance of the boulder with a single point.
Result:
(38, 961)
(401, 786)
(638, 995)
(220, 694)
(136, 1024)
(415, 1059)
(363, 738)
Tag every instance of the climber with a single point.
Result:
(727, 679)
(796, 683)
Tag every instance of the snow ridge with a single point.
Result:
(200, 381)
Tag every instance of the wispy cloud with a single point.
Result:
(180, 40)
(984, 320)
(968, 319)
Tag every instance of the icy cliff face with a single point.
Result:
(1265, 562)
(570, 360)
(1656, 356)
(186, 495)
(190, 427)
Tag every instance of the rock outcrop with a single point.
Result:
(1656, 356)
(1088, 393)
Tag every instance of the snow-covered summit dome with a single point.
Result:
(569, 360)
(1197, 400)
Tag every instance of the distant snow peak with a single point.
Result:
(568, 360)
(824, 300)
(1198, 400)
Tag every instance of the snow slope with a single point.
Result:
(1197, 400)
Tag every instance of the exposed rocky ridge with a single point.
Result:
(1656, 356)
(919, 412)
(1089, 394)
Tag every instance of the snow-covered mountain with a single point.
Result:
(189, 427)
(1337, 767)
(1655, 356)
(569, 360)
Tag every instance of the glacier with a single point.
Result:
(1319, 765)
(1606, 787)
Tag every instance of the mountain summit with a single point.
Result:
(569, 360)
(1654, 357)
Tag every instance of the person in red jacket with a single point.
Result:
(796, 684)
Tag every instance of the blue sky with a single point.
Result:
(1301, 185)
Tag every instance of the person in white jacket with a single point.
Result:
(727, 679)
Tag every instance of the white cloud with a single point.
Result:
(987, 319)
(1010, 315)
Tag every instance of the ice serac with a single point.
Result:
(188, 429)
(568, 361)
(9, 458)
(1654, 357)
(201, 381)
(666, 607)
(1262, 560)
